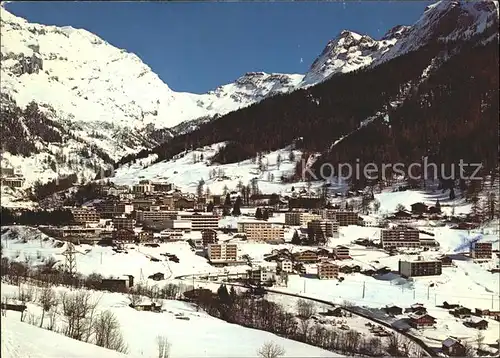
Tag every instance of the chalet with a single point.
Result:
(416, 308)
(401, 215)
(184, 203)
(323, 253)
(421, 320)
(450, 306)
(307, 256)
(461, 312)
(418, 208)
(147, 306)
(480, 312)
(477, 323)
(393, 310)
(452, 347)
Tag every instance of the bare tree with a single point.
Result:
(47, 300)
(305, 308)
(479, 340)
(26, 293)
(271, 350)
(163, 347)
(134, 299)
(107, 332)
(76, 308)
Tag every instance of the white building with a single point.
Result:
(179, 225)
(143, 187)
(285, 266)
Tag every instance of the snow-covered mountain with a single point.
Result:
(104, 96)
(106, 103)
(443, 21)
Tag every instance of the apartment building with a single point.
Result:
(302, 218)
(108, 210)
(261, 231)
(155, 215)
(262, 274)
(420, 267)
(480, 250)
(325, 227)
(400, 237)
(85, 216)
(344, 218)
(143, 187)
(327, 270)
(201, 221)
(285, 266)
(208, 237)
(223, 252)
(123, 222)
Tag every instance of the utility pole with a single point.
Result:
(363, 289)
(428, 289)
(101, 258)
(304, 286)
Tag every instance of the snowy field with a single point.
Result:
(186, 172)
(22, 340)
(216, 338)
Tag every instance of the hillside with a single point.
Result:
(20, 340)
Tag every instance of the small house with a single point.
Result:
(393, 310)
(336, 312)
(461, 312)
(147, 306)
(477, 323)
(453, 347)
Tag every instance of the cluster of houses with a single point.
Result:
(417, 316)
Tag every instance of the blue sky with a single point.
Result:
(195, 47)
